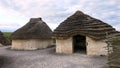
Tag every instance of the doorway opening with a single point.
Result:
(79, 44)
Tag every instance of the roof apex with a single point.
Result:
(35, 19)
(78, 13)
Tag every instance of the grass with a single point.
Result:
(116, 41)
(7, 36)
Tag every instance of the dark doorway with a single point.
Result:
(79, 44)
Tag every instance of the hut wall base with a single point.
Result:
(30, 44)
(96, 47)
(64, 46)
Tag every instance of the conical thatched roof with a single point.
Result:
(34, 29)
(82, 24)
(3, 40)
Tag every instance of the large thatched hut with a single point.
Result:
(81, 32)
(36, 34)
(3, 40)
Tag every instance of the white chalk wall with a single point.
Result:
(64, 46)
(92, 47)
(96, 47)
(30, 44)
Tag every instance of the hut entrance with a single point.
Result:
(79, 44)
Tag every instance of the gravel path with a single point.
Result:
(47, 58)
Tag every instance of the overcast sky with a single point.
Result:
(16, 13)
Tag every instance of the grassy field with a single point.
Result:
(116, 41)
(7, 36)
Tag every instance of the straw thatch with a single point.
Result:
(82, 24)
(34, 29)
(3, 40)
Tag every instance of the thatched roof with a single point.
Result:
(82, 24)
(34, 29)
(3, 40)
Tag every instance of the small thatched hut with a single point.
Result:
(36, 34)
(80, 32)
(3, 40)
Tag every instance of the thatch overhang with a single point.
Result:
(34, 29)
(83, 24)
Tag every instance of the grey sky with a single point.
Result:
(16, 13)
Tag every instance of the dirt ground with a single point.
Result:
(47, 58)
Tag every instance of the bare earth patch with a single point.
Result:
(47, 58)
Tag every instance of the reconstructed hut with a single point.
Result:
(81, 32)
(36, 34)
(3, 40)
